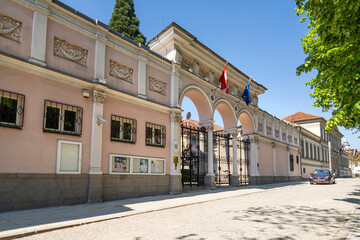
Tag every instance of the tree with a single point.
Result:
(124, 20)
(333, 48)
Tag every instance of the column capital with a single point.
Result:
(273, 144)
(232, 131)
(254, 139)
(175, 117)
(288, 148)
(98, 96)
(209, 125)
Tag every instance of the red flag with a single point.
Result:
(223, 80)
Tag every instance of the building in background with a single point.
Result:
(316, 125)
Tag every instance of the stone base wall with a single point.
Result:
(272, 179)
(26, 191)
(130, 186)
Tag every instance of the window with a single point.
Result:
(68, 157)
(260, 127)
(155, 135)
(123, 129)
(62, 118)
(297, 159)
(11, 109)
(304, 170)
(284, 136)
(120, 164)
(291, 162)
(289, 138)
(295, 140)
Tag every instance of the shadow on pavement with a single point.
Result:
(35, 217)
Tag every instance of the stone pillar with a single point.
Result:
(280, 132)
(273, 130)
(95, 174)
(142, 76)
(175, 160)
(254, 160)
(39, 30)
(299, 155)
(210, 176)
(234, 181)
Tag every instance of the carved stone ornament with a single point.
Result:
(187, 63)
(70, 51)
(179, 83)
(176, 117)
(10, 28)
(277, 133)
(157, 86)
(120, 71)
(203, 73)
(260, 127)
(99, 97)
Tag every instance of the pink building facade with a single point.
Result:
(88, 115)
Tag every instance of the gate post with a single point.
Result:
(175, 174)
(254, 160)
(234, 179)
(210, 176)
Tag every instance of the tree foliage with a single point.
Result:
(124, 20)
(333, 49)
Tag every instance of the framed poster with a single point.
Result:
(120, 164)
(140, 165)
(157, 166)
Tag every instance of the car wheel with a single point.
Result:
(311, 183)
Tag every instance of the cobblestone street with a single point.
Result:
(300, 211)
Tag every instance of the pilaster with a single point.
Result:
(175, 85)
(175, 160)
(95, 174)
(288, 160)
(39, 33)
(142, 75)
(100, 57)
(254, 158)
(273, 144)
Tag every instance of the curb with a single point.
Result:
(349, 227)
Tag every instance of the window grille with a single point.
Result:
(155, 135)
(62, 118)
(11, 109)
(123, 129)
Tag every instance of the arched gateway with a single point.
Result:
(262, 145)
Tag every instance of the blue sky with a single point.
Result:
(261, 38)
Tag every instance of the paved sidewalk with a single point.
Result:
(27, 222)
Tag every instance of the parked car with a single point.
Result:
(322, 176)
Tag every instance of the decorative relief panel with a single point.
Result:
(284, 136)
(120, 71)
(260, 127)
(70, 51)
(186, 63)
(157, 86)
(203, 73)
(268, 130)
(277, 133)
(10, 28)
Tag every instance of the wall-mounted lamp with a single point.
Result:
(100, 120)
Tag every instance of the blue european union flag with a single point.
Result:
(246, 94)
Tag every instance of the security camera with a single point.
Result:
(100, 120)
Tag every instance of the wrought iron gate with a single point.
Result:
(193, 155)
(222, 167)
(243, 161)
